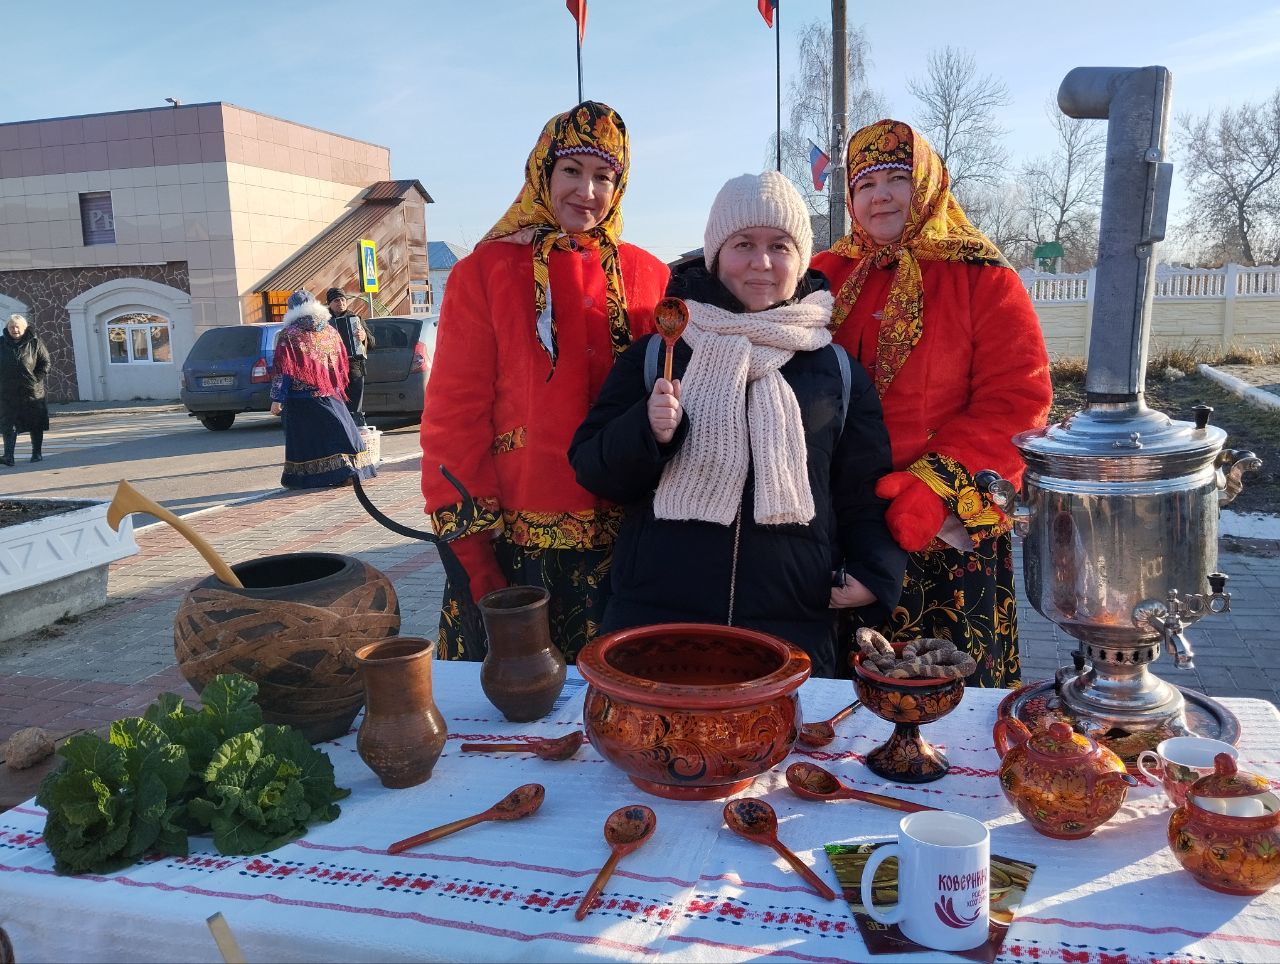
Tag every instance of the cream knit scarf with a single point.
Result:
(732, 388)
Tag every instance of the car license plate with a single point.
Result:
(219, 381)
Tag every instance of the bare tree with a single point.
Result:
(809, 117)
(958, 115)
(1231, 160)
(1063, 189)
(1000, 212)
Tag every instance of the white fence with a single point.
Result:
(1228, 305)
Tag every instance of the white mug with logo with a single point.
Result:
(944, 861)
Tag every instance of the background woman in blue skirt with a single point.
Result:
(322, 446)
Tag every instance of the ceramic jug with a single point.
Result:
(1063, 783)
(523, 671)
(1226, 833)
(403, 733)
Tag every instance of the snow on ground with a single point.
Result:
(1249, 525)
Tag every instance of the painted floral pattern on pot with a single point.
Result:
(1234, 855)
(1063, 783)
(907, 757)
(1227, 832)
(691, 711)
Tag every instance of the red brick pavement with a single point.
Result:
(144, 589)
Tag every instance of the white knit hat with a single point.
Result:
(765, 200)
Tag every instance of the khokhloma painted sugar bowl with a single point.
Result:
(1226, 833)
(1064, 784)
(691, 711)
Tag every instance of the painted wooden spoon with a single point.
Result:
(516, 805)
(820, 734)
(671, 318)
(812, 782)
(560, 748)
(754, 820)
(624, 831)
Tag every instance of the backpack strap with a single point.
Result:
(846, 384)
(651, 350)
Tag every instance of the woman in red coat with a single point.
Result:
(930, 307)
(533, 320)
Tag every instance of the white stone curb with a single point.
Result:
(1250, 393)
(58, 545)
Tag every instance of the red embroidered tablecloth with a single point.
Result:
(694, 892)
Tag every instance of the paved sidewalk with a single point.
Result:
(113, 661)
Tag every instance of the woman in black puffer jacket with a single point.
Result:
(745, 492)
(24, 364)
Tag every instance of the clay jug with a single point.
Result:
(523, 671)
(403, 733)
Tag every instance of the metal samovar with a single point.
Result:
(1121, 502)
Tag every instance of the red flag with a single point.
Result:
(579, 10)
(766, 8)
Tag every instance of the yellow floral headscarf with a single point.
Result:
(936, 230)
(590, 128)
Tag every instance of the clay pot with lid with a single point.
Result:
(1226, 833)
(1065, 784)
(523, 671)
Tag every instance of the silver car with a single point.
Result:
(399, 364)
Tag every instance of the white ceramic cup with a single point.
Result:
(944, 862)
(1180, 761)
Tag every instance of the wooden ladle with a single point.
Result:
(128, 500)
(561, 748)
(516, 805)
(671, 318)
(820, 734)
(754, 820)
(812, 782)
(624, 831)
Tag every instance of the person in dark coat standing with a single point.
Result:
(24, 365)
(357, 340)
(749, 501)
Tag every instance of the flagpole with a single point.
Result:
(579, 38)
(777, 64)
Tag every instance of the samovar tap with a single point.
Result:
(1170, 617)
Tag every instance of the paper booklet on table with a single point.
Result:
(1009, 880)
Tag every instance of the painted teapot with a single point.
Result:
(1065, 784)
(1226, 833)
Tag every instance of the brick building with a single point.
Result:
(123, 236)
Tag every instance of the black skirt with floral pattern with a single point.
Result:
(577, 579)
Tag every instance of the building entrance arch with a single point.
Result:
(118, 308)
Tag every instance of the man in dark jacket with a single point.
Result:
(357, 341)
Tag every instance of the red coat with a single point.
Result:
(978, 375)
(492, 417)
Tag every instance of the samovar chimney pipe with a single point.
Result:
(1135, 203)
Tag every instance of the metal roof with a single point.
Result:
(444, 254)
(382, 198)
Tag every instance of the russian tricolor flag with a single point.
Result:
(819, 166)
(766, 8)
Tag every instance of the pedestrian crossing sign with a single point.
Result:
(368, 266)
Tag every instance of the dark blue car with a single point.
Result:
(229, 371)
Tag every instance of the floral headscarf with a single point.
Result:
(590, 128)
(936, 230)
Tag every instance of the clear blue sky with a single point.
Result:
(459, 90)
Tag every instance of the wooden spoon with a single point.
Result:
(671, 318)
(812, 782)
(561, 748)
(624, 831)
(754, 820)
(820, 734)
(516, 805)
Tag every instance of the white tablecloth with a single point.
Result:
(694, 892)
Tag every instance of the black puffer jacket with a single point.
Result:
(679, 571)
(24, 366)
